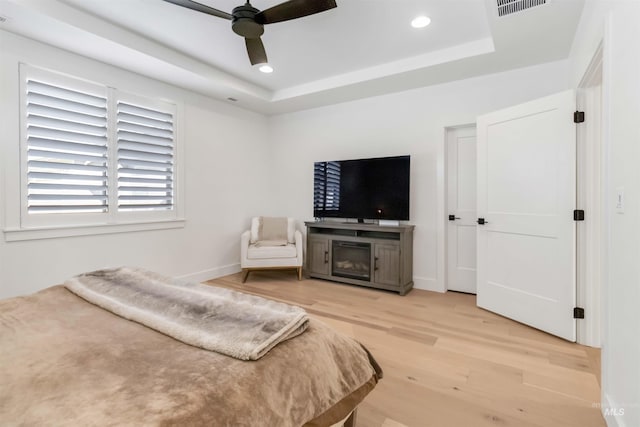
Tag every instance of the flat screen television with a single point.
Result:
(375, 188)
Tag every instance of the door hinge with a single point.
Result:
(578, 215)
(578, 313)
(578, 117)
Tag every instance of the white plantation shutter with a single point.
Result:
(66, 149)
(145, 147)
(94, 156)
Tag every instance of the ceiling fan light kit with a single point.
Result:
(248, 22)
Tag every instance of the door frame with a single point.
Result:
(590, 235)
(592, 192)
(445, 186)
(591, 197)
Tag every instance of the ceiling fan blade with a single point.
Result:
(293, 9)
(255, 49)
(189, 4)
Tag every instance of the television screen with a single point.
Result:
(366, 188)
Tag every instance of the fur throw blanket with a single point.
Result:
(239, 325)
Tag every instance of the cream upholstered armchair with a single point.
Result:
(271, 243)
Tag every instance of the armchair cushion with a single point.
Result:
(256, 223)
(273, 231)
(265, 252)
(255, 256)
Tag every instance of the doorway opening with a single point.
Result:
(460, 199)
(587, 265)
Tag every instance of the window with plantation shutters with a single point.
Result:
(66, 148)
(145, 158)
(326, 191)
(95, 156)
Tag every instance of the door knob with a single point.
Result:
(481, 221)
(453, 217)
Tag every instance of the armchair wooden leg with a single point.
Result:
(245, 274)
(299, 273)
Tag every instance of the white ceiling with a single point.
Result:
(361, 48)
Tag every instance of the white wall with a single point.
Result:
(411, 122)
(226, 180)
(615, 24)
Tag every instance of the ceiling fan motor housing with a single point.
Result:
(248, 22)
(244, 23)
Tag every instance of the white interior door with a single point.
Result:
(461, 206)
(527, 194)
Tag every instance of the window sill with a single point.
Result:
(18, 234)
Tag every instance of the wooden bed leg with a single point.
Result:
(299, 273)
(245, 274)
(351, 421)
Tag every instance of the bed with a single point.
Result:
(65, 361)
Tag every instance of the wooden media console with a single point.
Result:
(370, 255)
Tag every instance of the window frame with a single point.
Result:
(112, 219)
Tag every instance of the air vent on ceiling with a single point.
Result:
(508, 7)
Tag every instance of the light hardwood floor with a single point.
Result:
(446, 362)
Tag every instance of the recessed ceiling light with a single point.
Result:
(420, 22)
(266, 68)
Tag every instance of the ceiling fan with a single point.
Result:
(248, 22)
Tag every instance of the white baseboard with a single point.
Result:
(212, 273)
(427, 284)
(613, 414)
(424, 283)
